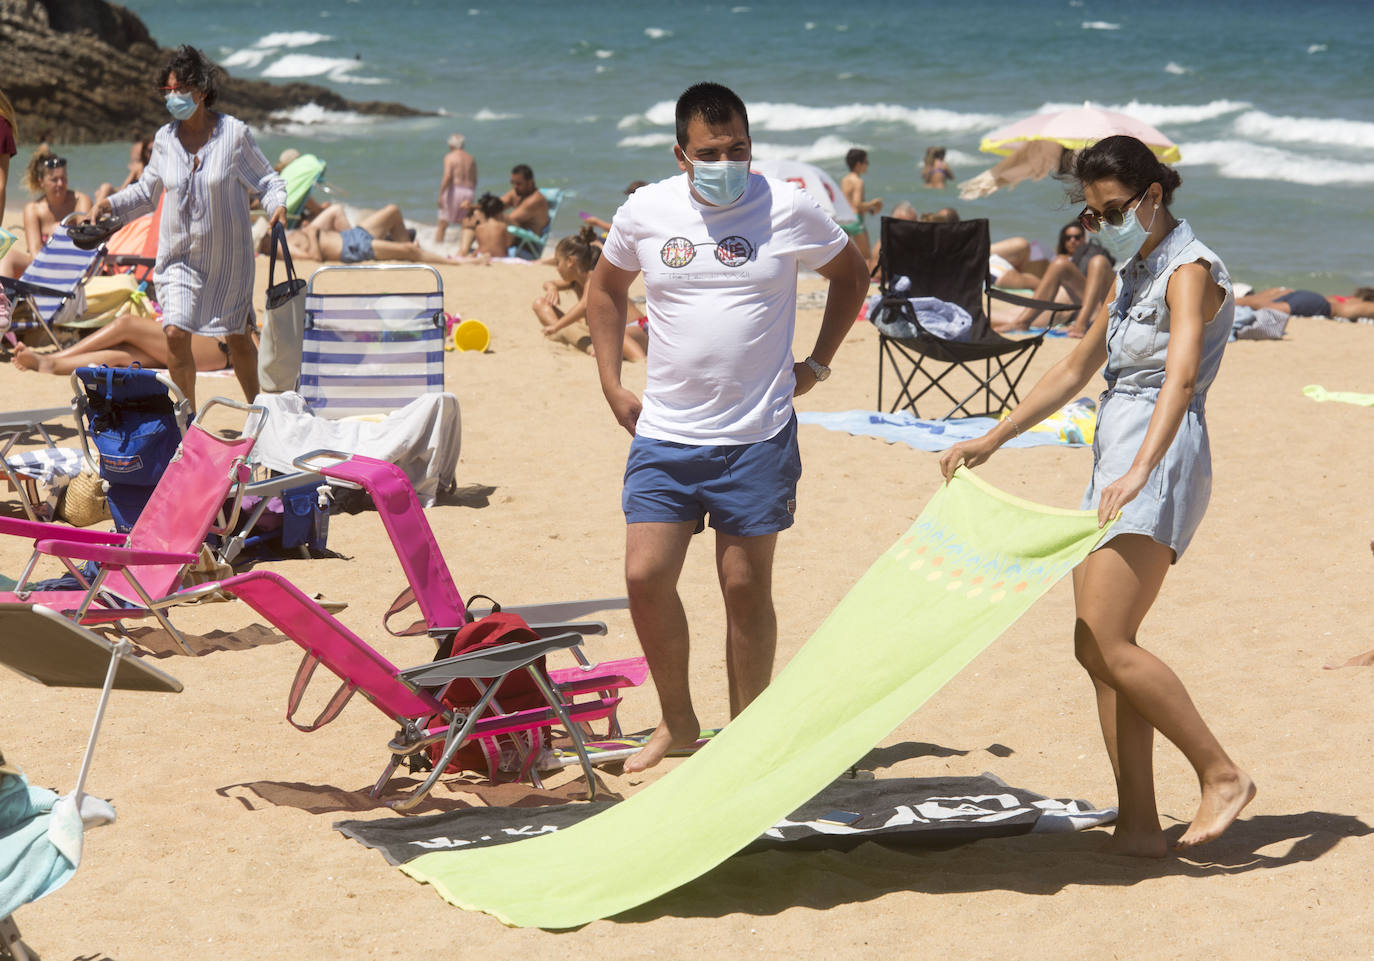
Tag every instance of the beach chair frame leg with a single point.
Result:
(455, 740)
(556, 703)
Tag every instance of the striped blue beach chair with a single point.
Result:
(51, 286)
(372, 353)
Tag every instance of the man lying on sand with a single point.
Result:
(381, 235)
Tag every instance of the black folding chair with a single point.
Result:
(949, 261)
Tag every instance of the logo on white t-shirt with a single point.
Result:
(733, 251)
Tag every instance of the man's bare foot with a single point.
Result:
(1139, 844)
(1359, 660)
(1222, 801)
(660, 743)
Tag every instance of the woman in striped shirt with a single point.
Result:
(211, 167)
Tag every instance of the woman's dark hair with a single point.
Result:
(582, 248)
(1125, 160)
(193, 69)
(1062, 246)
(490, 205)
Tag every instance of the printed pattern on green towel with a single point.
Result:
(971, 564)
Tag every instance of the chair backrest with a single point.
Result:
(424, 565)
(334, 645)
(371, 353)
(62, 266)
(300, 175)
(948, 261)
(184, 504)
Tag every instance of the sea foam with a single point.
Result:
(308, 118)
(1100, 25)
(1243, 160)
(1358, 134)
(826, 148)
(793, 116)
(292, 38)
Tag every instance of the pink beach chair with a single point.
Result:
(432, 588)
(410, 696)
(139, 574)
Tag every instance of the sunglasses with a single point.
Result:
(1115, 217)
(52, 163)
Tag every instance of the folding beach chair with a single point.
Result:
(528, 245)
(48, 468)
(301, 176)
(133, 247)
(431, 587)
(372, 353)
(410, 697)
(40, 845)
(949, 261)
(50, 286)
(139, 574)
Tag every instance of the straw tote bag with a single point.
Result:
(84, 501)
(283, 327)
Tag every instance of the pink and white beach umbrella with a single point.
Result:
(815, 181)
(1078, 128)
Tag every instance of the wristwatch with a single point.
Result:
(820, 370)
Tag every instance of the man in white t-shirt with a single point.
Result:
(715, 433)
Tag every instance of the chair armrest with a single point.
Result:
(1020, 301)
(24, 287)
(111, 556)
(72, 535)
(488, 662)
(130, 260)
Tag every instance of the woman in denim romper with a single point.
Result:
(1161, 337)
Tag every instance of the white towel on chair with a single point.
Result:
(422, 438)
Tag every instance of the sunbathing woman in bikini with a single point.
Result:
(127, 340)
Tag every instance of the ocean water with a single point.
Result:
(1270, 102)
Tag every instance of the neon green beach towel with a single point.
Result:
(1321, 394)
(971, 564)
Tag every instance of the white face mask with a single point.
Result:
(721, 182)
(1124, 242)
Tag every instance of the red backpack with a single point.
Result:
(518, 691)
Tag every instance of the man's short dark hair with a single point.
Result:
(523, 170)
(711, 103)
(193, 69)
(856, 156)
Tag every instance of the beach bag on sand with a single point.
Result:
(517, 692)
(283, 322)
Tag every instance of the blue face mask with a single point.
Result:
(720, 183)
(181, 105)
(1124, 242)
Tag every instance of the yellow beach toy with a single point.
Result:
(471, 334)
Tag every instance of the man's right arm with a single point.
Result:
(608, 298)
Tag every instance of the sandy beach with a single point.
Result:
(224, 846)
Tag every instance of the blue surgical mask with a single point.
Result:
(721, 182)
(1124, 242)
(181, 105)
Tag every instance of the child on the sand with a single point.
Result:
(574, 258)
(1170, 314)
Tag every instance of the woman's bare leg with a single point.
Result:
(386, 224)
(127, 330)
(547, 313)
(1061, 273)
(55, 364)
(1113, 592)
(1097, 286)
(636, 345)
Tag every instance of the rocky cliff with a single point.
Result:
(82, 71)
